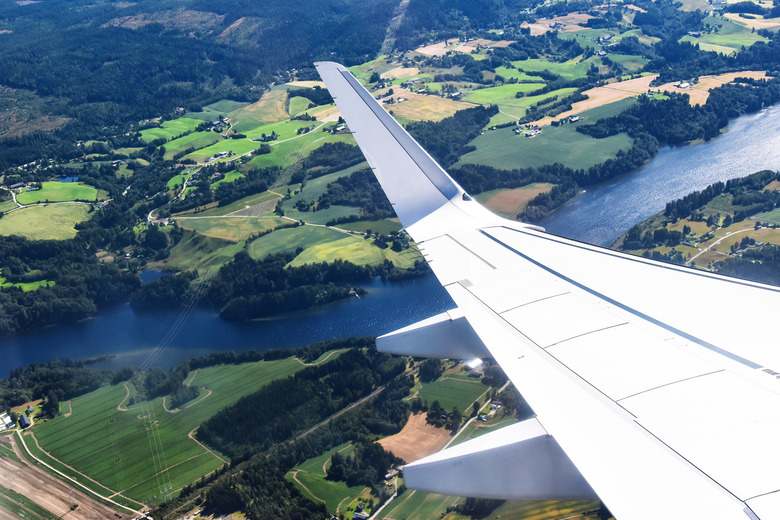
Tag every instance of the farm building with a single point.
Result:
(24, 422)
(30, 408)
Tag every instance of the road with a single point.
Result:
(709, 248)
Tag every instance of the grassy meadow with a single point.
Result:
(196, 140)
(357, 250)
(143, 450)
(229, 228)
(53, 191)
(453, 389)
(729, 38)
(195, 251)
(45, 222)
(170, 129)
(291, 238)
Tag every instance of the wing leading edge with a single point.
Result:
(657, 403)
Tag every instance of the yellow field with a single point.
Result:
(756, 23)
(700, 92)
(229, 228)
(269, 109)
(509, 203)
(420, 107)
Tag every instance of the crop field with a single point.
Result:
(729, 38)
(759, 22)
(420, 107)
(23, 507)
(418, 505)
(298, 104)
(170, 129)
(309, 478)
(501, 95)
(200, 252)
(269, 109)
(48, 222)
(290, 239)
(54, 191)
(629, 62)
(195, 140)
(143, 450)
(233, 229)
(773, 217)
(509, 203)
(519, 75)
(453, 390)
(501, 148)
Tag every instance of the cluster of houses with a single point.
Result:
(7, 423)
(220, 155)
(528, 132)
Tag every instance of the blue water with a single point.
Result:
(151, 275)
(167, 338)
(605, 211)
(73, 178)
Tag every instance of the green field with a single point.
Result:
(298, 104)
(47, 222)
(383, 227)
(314, 188)
(146, 450)
(501, 95)
(195, 140)
(230, 228)
(323, 216)
(519, 75)
(200, 252)
(230, 176)
(177, 181)
(7, 205)
(773, 217)
(501, 148)
(729, 38)
(24, 286)
(572, 69)
(170, 129)
(286, 153)
(629, 62)
(309, 478)
(417, 505)
(356, 250)
(453, 389)
(238, 205)
(284, 129)
(290, 239)
(213, 111)
(54, 191)
(237, 146)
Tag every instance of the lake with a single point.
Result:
(602, 213)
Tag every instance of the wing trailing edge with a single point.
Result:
(519, 462)
(447, 335)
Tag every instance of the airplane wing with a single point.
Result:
(655, 386)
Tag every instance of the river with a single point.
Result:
(605, 211)
(599, 216)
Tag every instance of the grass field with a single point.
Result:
(284, 129)
(54, 191)
(629, 62)
(195, 140)
(501, 148)
(314, 188)
(6, 205)
(237, 146)
(453, 389)
(729, 38)
(420, 107)
(298, 104)
(357, 250)
(213, 111)
(170, 129)
(270, 108)
(238, 205)
(286, 153)
(48, 222)
(230, 176)
(501, 95)
(417, 505)
(323, 216)
(177, 181)
(291, 238)
(384, 226)
(200, 252)
(146, 450)
(24, 286)
(572, 69)
(230, 228)
(772, 217)
(309, 478)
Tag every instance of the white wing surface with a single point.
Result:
(654, 385)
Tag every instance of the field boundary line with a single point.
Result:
(191, 435)
(208, 393)
(74, 481)
(119, 406)
(309, 491)
(323, 360)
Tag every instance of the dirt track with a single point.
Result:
(50, 493)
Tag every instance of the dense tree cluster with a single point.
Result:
(366, 465)
(757, 264)
(283, 407)
(361, 189)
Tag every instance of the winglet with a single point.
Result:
(414, 182)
